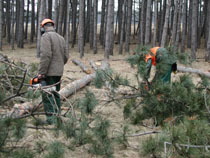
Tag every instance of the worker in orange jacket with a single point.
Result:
(165, 64)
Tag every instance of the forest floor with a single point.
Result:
(111, 111)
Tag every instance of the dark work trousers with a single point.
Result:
(51, 100)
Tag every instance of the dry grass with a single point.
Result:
(112, 112)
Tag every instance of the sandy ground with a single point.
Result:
(112, 112)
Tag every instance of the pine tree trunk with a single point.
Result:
(20, 42)
(8, 20)
(91, 27)
(17, 18)
(120, 19)
(207, 56)
(175, 18)
(109, 29)
(128, 26)
(143, 21)
(178, 27)
(122, 27)
(27, 18)
(165, 28)
(50, 9)
(155, 23)
(37, 19)
(189, 33)
(184, 25)
(67, 25)
(4, 23)
(162, 20)
(207, 25)
(134, 19)
(95, 8)
(194, 28)
(32, 21)
(1, 23)
(56, 8)
(148, 22)
(74, 22)
(81, 28)
(61, 16)
(13, 25)
(42, 15)
(105, 22)
(103, 11)
(87, 25)
(64, 19)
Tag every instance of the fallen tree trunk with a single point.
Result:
(82, 66)
(78, 84)
(29, 107)
(192, 70)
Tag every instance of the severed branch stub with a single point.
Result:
(82, 66)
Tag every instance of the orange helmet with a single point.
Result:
(45, 21)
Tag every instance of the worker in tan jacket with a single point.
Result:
(53, 57)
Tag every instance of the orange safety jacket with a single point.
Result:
(152, 55)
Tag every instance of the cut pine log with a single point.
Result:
(73, 87)
(28, 107)
(82, 66)
(192, 70)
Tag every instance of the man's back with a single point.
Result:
(53, 53)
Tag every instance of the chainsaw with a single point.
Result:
(37, 82)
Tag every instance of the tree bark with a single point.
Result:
(184, 25)
(87, 25)
(61, 16)
(27, 18)
(1, 23)
(103, 11)
(120, 19)
(82, 66)
(32, 21)
(155, 23)
(74, 22)
(78, 84)
(8, 21)
(143, 22)
(20, 42)
(162, 19)
(42, 15)
(189, 33)
(56, 8)
(148, 22)
(192, 70)
(128, 26)
(13, 25)
(165, 28)
(95, 7)
(109, 30)
(122, 27)
(175, 18)
(194, 28)
(178, 27)
(207, 56)
(81, 28)
(91, 27)
(50, 9)
(67, 25)
(17, 18)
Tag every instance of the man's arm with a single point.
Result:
(148, 69)
(46, 54)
